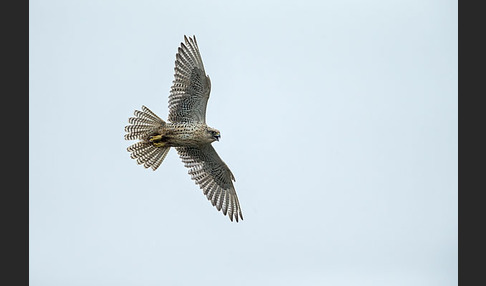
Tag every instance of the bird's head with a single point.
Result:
(213, 134)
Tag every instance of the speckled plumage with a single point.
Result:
(187, 132)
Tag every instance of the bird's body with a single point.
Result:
(187, 132)
(181, 135)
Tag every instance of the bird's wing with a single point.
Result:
(213, 176)
(190, 89)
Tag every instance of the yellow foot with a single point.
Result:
(159, 144)
(157, 141)
(155, 138)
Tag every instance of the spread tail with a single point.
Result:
(147, 154)
(143, 126)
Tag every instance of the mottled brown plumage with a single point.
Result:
(187, 132)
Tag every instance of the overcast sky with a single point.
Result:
(338, 120)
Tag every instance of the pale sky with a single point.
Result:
(338, 120)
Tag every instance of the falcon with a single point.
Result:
(186, 131)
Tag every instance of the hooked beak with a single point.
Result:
(217, 137)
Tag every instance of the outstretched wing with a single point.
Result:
(213, 177)
(190, 89)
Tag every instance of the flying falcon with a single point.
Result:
(187, 132)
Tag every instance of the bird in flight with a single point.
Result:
(187, 132)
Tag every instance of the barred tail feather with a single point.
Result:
(147, 154)
(144, 124)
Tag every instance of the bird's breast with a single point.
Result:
(183, 134)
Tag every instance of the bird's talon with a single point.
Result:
(159, 144)
(155, 138)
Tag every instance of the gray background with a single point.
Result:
(338, 119)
